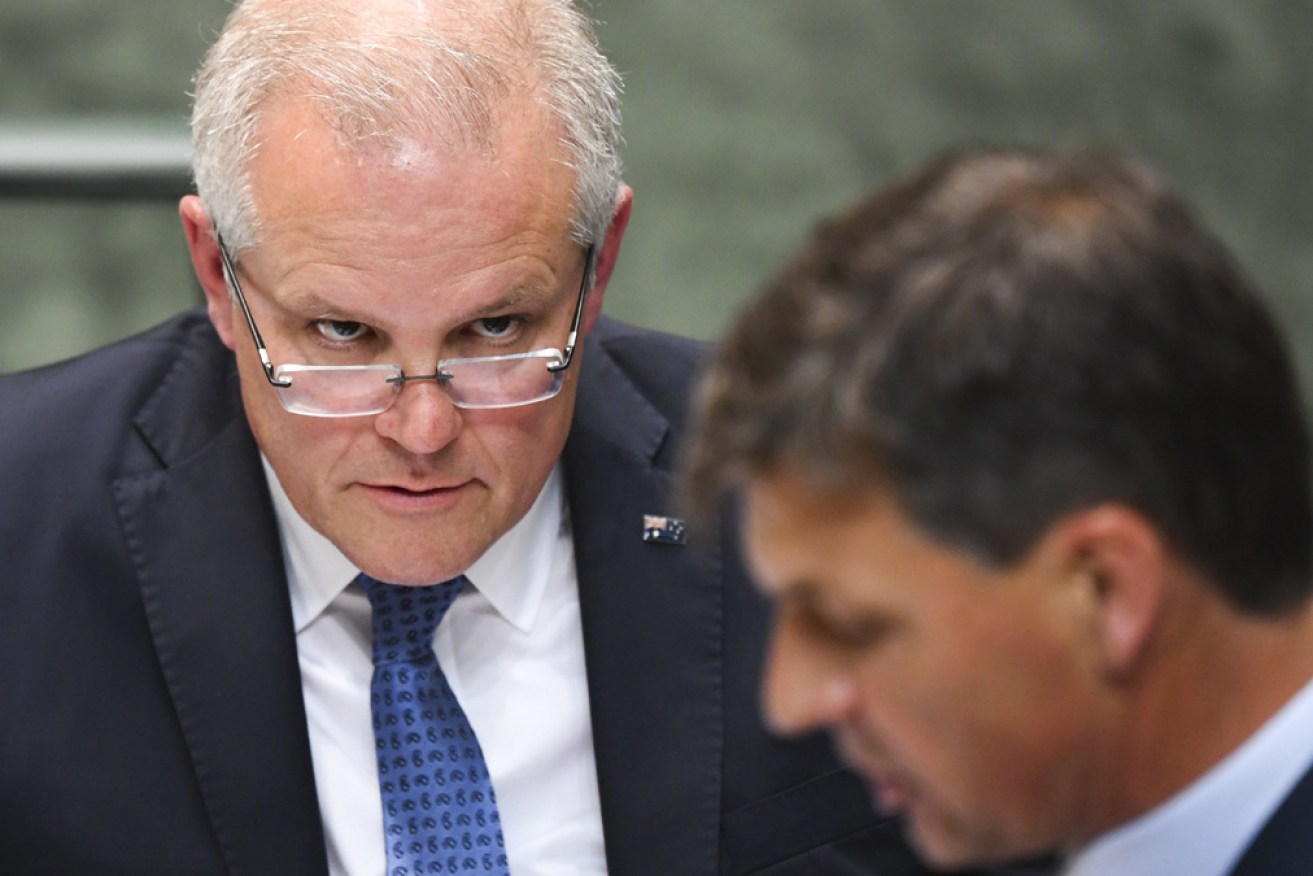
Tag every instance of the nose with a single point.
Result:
(807, 685)
(423, 418)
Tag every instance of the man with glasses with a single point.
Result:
(221, 537)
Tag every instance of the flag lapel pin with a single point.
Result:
(658, 529)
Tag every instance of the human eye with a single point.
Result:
(496, 328)
(340, 331)
(857, 634)
(850, 631)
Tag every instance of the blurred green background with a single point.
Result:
(746, 121)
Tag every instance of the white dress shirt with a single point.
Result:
(512, 649)
(1204, 829)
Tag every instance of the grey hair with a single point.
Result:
(424, 68)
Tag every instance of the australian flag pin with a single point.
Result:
(663, 530)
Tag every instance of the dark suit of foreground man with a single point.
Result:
(1026, 470)
(407, 216)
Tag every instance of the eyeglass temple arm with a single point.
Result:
(584, 286)
(230, 271)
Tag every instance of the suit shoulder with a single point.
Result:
(619, 337)
(140, 358)
(663, 366)
(81, 406)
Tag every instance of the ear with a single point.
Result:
(208, 264)
(1121, 569)
(607, 256)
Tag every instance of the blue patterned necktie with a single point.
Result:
(439, 811)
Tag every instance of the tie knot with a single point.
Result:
(405, 617)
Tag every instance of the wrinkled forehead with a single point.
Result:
(517, 172)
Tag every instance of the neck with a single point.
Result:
(1209, 681)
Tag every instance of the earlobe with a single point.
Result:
(1121, 564)
(208, 265)
(607, 256)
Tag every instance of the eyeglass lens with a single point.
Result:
(483, 383)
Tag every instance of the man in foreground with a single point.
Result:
(313, 581)
(1025, 472)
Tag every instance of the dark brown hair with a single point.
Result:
(1005, 337)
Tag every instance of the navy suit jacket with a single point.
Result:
(1284, 847)
(151, 718)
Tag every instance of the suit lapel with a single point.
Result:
(202, 536)
(652, 637)
(1285, 844)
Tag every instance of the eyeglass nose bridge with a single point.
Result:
(442, 378)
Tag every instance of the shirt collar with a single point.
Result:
(512, 573)
(1205, 828)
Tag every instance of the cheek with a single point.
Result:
(265, 415)
(520, 444)
(997, 726)
(960, 680)
(304, 451)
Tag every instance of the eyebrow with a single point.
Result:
(854, 627)
(312, 301)
(797, 591)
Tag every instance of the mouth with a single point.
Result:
(892, 794)
(890, 787)
(414, 491)
(414, 497)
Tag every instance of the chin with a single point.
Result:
(419, 572)
(950, 858)
(414, 577)
(414, 556)
(944, 847)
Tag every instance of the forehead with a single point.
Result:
(794, 528)
(855, 546)
(513, 186)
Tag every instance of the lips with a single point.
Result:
(415, 497)
(892, 794)
(889, 786)
(413, 483)
(414, 491)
